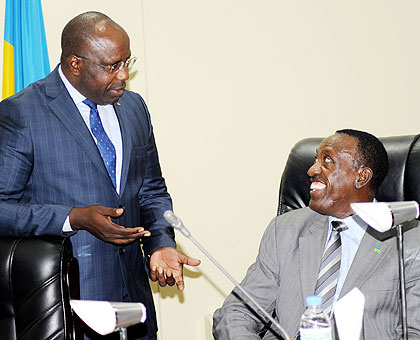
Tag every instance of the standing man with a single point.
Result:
(349, 167)
(78, 158)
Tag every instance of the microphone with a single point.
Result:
(177, 224)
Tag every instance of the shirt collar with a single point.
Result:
(356, 226)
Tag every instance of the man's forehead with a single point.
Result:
(338, 143)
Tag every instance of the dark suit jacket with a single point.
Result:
(49, 163)
(286, 271)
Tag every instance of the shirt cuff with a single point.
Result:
(67, 227)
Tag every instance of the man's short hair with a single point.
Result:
(372, 154)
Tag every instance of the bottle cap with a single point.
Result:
(313, 300)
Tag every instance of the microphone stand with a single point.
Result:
(400, 247)
(123, 333)
(177, 224)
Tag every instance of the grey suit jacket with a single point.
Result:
(49, 163)
(286, 270)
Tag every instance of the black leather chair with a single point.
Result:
(37, 277)
(401, 184)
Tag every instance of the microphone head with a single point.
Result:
(171, 218)
(175, 222)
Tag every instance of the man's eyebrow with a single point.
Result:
(123, 59)
(114, 62)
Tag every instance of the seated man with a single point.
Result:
(349, 167)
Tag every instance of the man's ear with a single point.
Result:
(365, 175)
(73, 64)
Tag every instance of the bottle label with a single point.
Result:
(315, 333)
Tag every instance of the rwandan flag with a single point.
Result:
(25, 58)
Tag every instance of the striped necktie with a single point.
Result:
(329, 270)
(104, 144)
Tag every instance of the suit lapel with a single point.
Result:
(126, 140)
(365, 262)
(311, 247)
(66, 111)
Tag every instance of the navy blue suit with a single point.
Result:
(49, 163)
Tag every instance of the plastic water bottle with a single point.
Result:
(314, 324)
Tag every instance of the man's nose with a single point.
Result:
(314, 170)
(123, 73)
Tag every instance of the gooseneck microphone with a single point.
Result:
(177, 224)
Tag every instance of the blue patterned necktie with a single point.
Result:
(105, 146)
(329, 270)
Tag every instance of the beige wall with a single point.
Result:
(231, 86)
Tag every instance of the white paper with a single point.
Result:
(348, 312)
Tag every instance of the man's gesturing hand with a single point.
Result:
(96, 219)
(166, 266)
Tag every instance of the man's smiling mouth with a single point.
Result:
(315, 186)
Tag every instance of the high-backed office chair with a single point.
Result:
(401, 184)
(37, 277)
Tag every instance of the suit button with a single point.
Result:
(122, 250)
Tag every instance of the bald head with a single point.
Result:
(82, 30)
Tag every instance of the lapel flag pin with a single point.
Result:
(378, 250)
